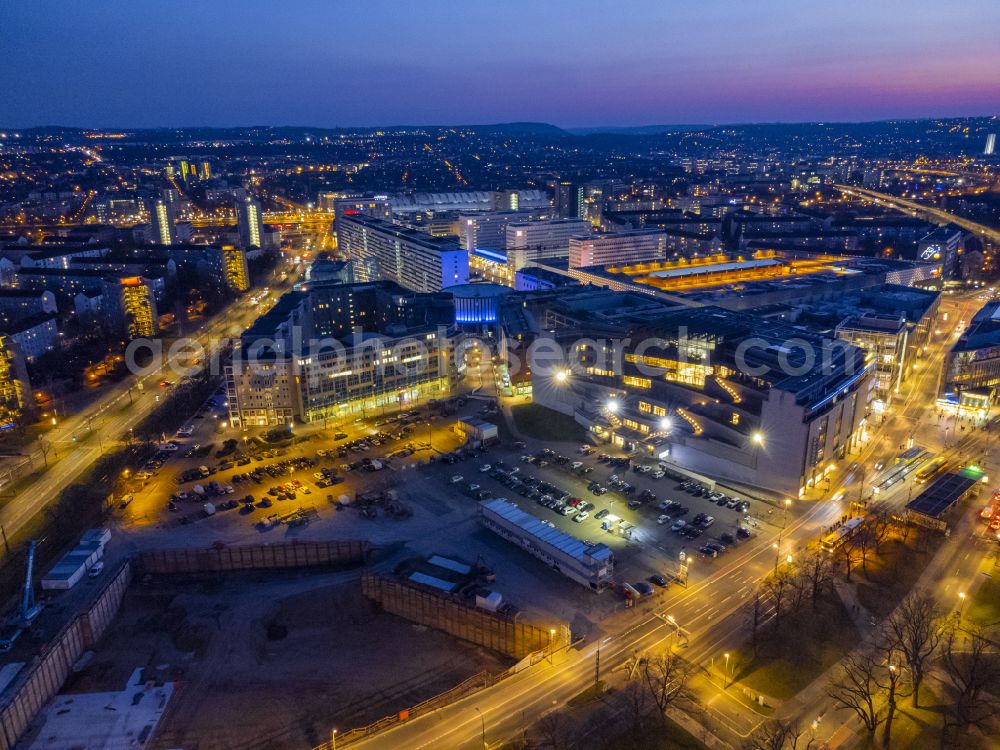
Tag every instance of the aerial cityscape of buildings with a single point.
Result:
(517, 435)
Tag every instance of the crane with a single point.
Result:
(29, 609)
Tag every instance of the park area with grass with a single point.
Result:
(542, 423)
(984, 608)
(790, 656)
(891, 574)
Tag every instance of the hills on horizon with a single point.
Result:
(522, 128)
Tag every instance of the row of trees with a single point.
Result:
(918, 639)
(785, 594)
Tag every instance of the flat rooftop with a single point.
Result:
(541, 531)
(944, 492)
(983, 330)
(122, 720)
(715, 271)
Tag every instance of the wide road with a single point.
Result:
(80, 439)
(928, 212)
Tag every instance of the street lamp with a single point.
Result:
(333, 739)
(666, 424)
(613, 406)
(724, 685)
(961, 603)
(757, 438)
(483, 720)
(562, 376)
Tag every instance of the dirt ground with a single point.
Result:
(274, 662)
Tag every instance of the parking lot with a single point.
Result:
(203, 472)
(601, 497)
(405, 483)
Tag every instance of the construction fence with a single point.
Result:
(475, 683)
(41, 682)
(253, 557)
(489, 629)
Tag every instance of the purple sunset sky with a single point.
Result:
(571, 63)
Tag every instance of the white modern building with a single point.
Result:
(529, 240)
(614, 248)
(488, 229)
(383, 250)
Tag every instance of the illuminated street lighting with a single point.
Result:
(613, 406)
(758, 438)
(961, 603)
(483, 720)
(333, 739)
(666, 424)
(562, 376)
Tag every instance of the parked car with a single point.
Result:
(643, 588)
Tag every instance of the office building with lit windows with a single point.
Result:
(163, 223)
(249, 223)
(614, 248)
(724, 394)
(971, 376)
(382, 250)
(342, 350)
(130, 307)
(15, 390)
(234, 268)
(527, 241)
(487, 230)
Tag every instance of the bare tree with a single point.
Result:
(864, 542)
(44, 447)
(818, 571)
(553, 731)
(778, 586)
(879, 526)
(848, 552)
(758, 605)
(638, 704)
(800, 587)
(915, 629)
(971, 666)
(856, 687)
(778, 734)
(889, 682)
(903, 528)
(667, 679)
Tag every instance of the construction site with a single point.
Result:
(272, 659)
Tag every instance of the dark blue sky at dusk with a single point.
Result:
(149, 63)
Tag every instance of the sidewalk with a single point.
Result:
(848, 594)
